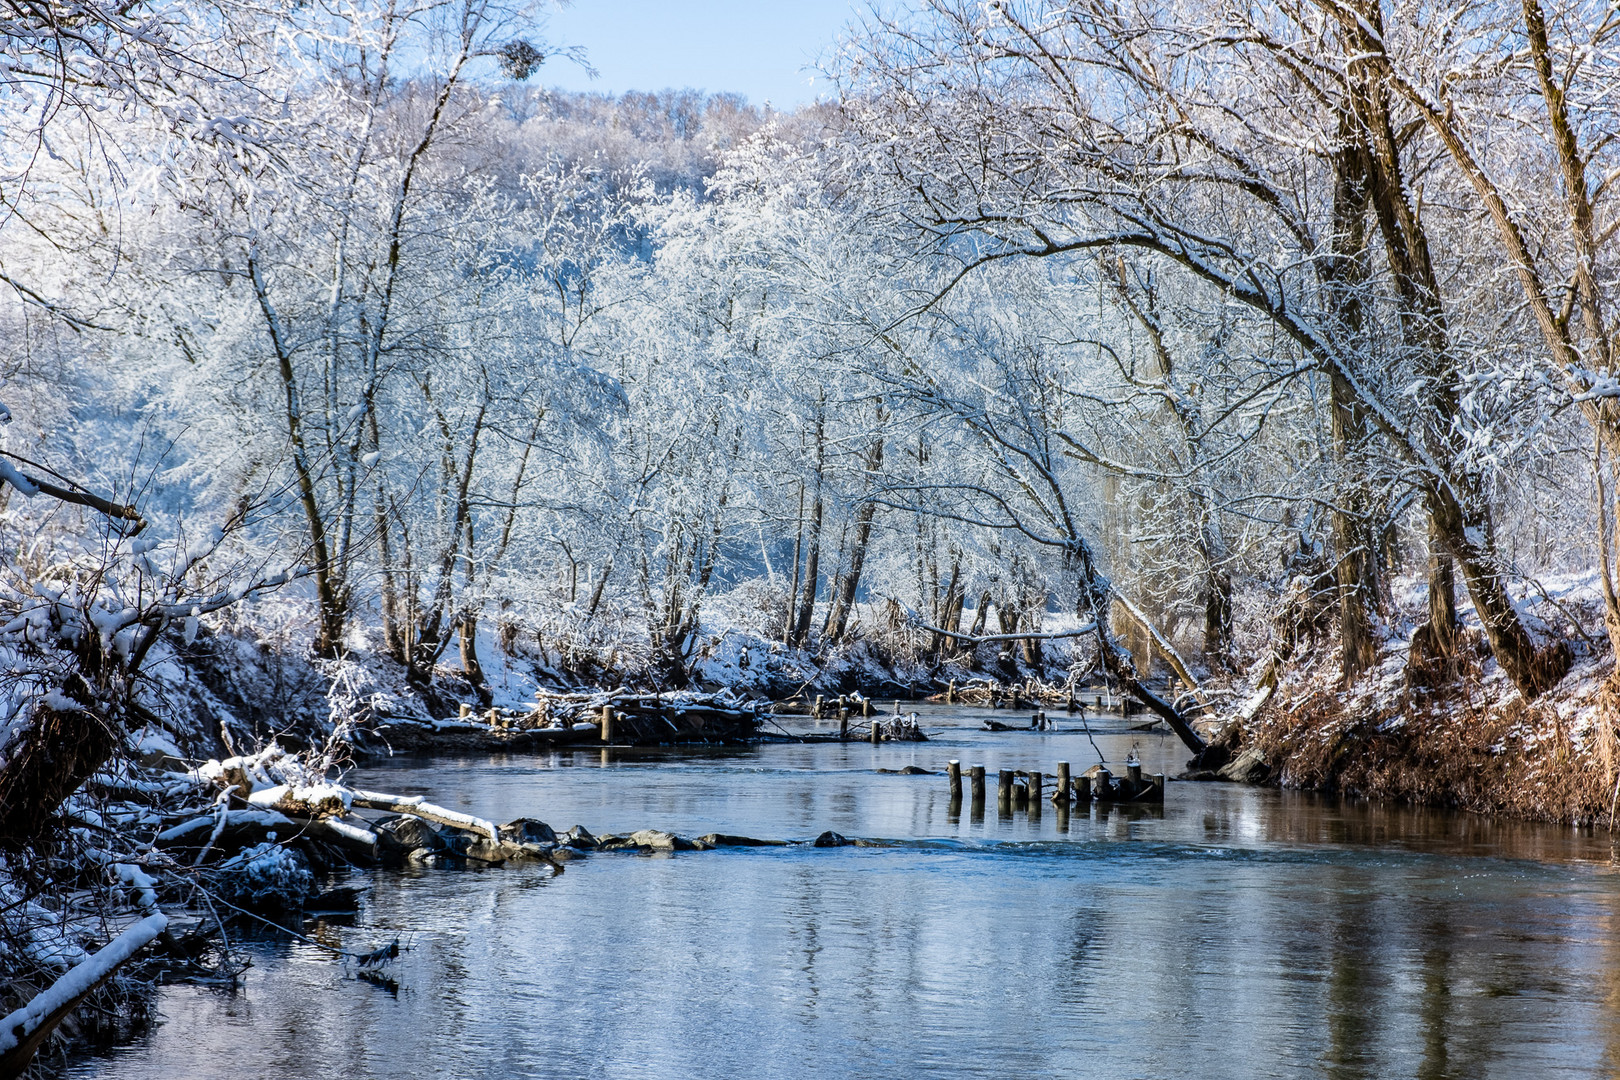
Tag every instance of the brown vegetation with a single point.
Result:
(1476, 745)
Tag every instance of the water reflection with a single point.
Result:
(1230, 933)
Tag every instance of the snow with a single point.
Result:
(233, 819)
(79, 980)
(328, 798)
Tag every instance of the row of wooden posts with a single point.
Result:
(1028, 695)
(1097, 784)
(843, 707)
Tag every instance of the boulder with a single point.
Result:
(417, 841)
(661, 841)
(714, 840)
(528, 831)
(1248, 767)
(488, 851)
(405, 834)
(829, 839)
(579, 837)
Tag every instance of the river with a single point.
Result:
(1238, 933)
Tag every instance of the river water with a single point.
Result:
(1238, 933)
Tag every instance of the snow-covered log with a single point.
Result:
(417, 807)
(24, 1031)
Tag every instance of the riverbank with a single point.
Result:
(1467, 740)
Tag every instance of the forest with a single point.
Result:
(1257, 361)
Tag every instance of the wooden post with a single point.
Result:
(867, 710)
(953, 769)
(1104, 785)
(1004, 787)
(1133, 780)
(1020, 796)
(877, 732)
(976, 780)
(607, 723)
(1073, 705)
(1045, 724)
(466, 710)
(1035, 722)
(950, 693)
(1061, 795)
(843, 724)
(1035, 780)
(494, 718)
(1082, 790)
(816, 710)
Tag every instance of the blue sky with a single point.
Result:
(752, 47)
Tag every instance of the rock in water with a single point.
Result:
(579, 837)
(415, 840)
(715, 840)
(829, 839)
(1247, 768)
(404, 835)
(660, 841)
(345, 899)
(526, 830)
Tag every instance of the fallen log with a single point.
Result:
(418, 807)
(23, 1032)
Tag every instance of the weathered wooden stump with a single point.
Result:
(1103, 786)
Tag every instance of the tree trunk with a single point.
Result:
(1465, 538)
(469, 660)
(812, 560)
(1459, 511)
(1346, 274)
(981, 613)
(850, 581)
(1217, 617)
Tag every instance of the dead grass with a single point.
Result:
(1477, 746)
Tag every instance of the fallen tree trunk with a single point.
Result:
(417, 807)
(25, 1031)
(1171, 656)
